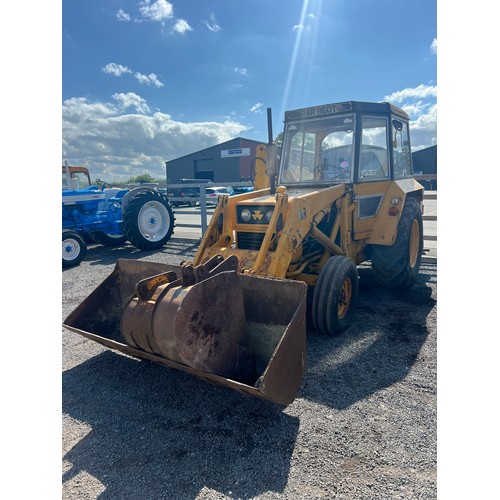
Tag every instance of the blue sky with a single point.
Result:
(148, 81)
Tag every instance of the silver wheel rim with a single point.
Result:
(153, 221)
(70, 249)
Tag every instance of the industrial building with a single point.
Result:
(425, 163)
(223, 163)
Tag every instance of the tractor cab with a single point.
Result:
(347, 142)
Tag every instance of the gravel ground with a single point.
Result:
(363, 425)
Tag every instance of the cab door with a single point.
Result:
(373, 173)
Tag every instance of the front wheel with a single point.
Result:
(397, 266)
(335, 295)
(148, 220)
(74, 248)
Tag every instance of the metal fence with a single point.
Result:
(201, 199)
(428, 196)
(204, 210)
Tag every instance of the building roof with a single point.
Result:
(216, 146)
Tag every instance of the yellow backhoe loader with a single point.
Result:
(340, 191)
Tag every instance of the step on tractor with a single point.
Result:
(110, 216)
(340, 191)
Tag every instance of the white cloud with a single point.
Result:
(181, 26)
(122, 16)
(421, 105)
(116, 69)
(119, 70)
(116, 145)
(423, 128)
(434, 46)
(305, 23)
(211, 23)
(256, 108)
(131, 100)
(151, 80)
(156, 11)
(241, 71)
(410, 93)
(416, 108)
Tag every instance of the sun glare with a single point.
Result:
(304, 48)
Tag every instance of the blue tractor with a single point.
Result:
(110, 216)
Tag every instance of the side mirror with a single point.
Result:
(397, 125)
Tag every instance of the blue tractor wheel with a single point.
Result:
(74, 248)
(148, 220)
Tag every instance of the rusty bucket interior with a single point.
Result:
(244, 332)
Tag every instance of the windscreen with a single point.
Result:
(318, 151)
(83, 181)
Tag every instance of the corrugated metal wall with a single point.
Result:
(425, 162)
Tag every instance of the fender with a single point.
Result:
(385, 228)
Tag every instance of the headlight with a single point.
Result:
(246, 215)
(254, 214)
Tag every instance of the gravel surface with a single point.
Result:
(363, 425)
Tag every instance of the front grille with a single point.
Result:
(249, 241)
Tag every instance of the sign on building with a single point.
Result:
(229, 153)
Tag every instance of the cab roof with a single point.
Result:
(345, 107)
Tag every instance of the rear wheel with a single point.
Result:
(109, 240)
(335, 295)
(74, 248)
(397, 266)
(148, 220)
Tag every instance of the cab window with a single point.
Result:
(301, 156)
(319, 151)
(374, 153)
(401, 148)
(83, 181)
(336, 156)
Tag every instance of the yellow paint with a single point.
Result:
(295, 211)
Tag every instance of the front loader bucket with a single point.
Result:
(258, 346)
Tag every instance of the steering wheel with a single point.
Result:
(103, 184)
(318, 174)
(334, 171)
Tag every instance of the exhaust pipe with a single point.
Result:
(271, 153)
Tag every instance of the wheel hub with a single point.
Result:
(71, 249)
(344, 298)
(151, 218)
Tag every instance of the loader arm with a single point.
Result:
(296, 216)
(305, 213)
